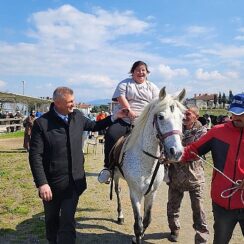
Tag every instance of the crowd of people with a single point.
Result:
(54, 142)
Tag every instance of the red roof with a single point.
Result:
(83, 106)
(204, 97)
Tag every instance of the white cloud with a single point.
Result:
(226, 51)
(93, 81)
(69, 43)
(205, 75)
(189, 36)
(79, 29)
(92, 51)
(241, 29)
(231, 75)
(169, 73)
(239, 38)
(215, 75)
(178, 41)
(198, 30)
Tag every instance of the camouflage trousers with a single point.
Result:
(175, 196)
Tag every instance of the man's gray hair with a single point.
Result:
(61, 91)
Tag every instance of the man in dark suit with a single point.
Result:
(57, 162)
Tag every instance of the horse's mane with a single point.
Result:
(153, 107)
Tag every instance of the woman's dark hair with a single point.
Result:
(136, 64)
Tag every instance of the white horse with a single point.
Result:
(157, 132)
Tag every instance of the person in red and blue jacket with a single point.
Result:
(226, 144)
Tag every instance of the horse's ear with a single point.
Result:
(181, 95)
(162, 93)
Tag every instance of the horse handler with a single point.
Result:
(57, 162)
(226, 143)
(190, 178)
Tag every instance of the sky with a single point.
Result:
(91, 45)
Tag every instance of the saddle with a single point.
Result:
(116, 153)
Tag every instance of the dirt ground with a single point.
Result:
(96, 214)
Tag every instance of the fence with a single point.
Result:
(11, 124)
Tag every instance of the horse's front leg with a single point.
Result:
(138, 226)
(117, 189)
(148, 203)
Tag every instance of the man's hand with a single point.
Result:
(241, 185)
(45, 193)
(132, 115)
(122, 113)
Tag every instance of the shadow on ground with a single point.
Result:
(32, 231)
(18, 150)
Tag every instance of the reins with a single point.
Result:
(230, 191)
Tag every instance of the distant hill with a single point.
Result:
(99, 102)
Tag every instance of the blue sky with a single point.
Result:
(91, 45)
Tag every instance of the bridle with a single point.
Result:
(161, 138)
(161, 158)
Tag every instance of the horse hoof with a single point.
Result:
(121, 221)
(134, 240)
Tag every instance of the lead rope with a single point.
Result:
(230, 191)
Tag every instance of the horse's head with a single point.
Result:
(168, 116)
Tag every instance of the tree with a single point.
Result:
(215, 100)
(219, 99)
(95, 109)
(104, 108)
(224, 100)
(230, 97)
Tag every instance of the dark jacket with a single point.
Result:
(56, 156)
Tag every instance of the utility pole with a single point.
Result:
(23, 87)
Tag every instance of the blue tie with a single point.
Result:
(66, 119)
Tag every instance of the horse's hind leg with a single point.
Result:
(148, 202)
(138, 226)
(117, 189)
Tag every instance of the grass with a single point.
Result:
(16, 134)
(18, 203)
(216, 112)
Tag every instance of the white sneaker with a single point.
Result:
(104, 176)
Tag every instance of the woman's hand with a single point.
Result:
(132, 115)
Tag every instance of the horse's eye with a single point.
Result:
(160, 117)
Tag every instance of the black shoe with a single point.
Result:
(174, 235)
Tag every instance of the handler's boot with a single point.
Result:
(104, 176)
(174, 235)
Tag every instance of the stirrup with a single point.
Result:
(104, 176)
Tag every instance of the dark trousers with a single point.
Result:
(225, 222)
(113, 133)
(59, 219)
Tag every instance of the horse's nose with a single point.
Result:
(176, 154)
